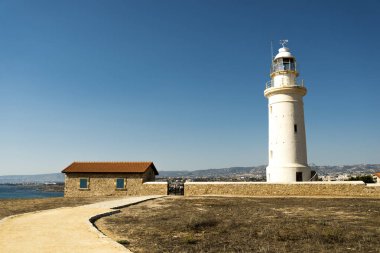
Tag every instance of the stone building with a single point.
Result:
(88, 179)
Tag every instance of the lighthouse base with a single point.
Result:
(288, 174)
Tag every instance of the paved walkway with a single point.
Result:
(66, 229)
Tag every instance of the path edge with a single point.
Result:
(100, 234)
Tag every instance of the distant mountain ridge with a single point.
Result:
(223, 172)
(26, 179)
(256, 171)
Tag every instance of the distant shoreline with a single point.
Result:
(50, 187)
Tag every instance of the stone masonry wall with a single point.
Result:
(336, 189)
(149, 175)
(154, 188)
(104, 184)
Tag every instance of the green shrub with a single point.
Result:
(368, 179)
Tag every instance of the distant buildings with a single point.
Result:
(338, 177)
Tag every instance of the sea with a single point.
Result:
(25, 192)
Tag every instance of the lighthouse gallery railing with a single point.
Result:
(270, 84)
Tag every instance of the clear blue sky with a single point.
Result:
(181, 82)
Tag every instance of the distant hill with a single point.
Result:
(224, 172)
(258, 171)
(254, 171)
(346, 169)
(40, 178)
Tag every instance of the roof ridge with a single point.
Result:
(112, 167)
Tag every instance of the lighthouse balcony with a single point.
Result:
(283, 83)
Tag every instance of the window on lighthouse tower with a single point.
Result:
(288, 64)
(283, 64)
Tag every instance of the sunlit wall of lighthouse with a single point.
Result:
(287, 137)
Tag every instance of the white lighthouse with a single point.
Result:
(287, 137)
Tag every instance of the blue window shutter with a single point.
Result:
(120, 183)
(83, 183)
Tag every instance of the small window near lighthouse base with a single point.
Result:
(299, 176)
(295, 128)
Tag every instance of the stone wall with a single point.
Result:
(154, 188)
(104, 184)
(149, 176)
(336, 189)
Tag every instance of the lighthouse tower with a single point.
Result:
(287, 138)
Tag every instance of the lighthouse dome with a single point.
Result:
(284, 61)
(283, 53)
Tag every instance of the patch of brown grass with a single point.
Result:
(17, 206)
(227, 224)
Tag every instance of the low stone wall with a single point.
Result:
(335, 189)
(154, 188)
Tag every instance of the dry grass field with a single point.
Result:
(17, 206)
(233, 224)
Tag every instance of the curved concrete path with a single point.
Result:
(66, 229)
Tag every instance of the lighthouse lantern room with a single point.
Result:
(287, 136)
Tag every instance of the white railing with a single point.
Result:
(270, 84)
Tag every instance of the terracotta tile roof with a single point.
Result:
(377, 174)
(110, 167)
